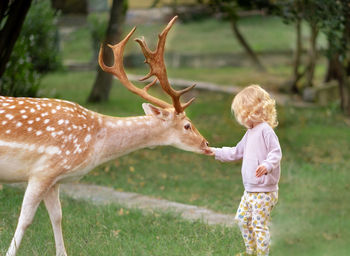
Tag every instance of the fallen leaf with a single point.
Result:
(115, 233)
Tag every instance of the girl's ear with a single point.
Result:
(160, 113)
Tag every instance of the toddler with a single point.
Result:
(261, 153)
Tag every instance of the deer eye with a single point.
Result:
(187, 126)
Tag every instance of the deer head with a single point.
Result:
(180, 133)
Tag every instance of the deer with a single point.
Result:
(45, 142)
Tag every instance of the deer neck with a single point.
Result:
(124, 135)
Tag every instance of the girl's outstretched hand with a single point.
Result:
(260, 171)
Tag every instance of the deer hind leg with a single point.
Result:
(53, 206)
(32, 198)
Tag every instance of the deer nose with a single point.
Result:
(204, 143)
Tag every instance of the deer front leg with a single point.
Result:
(53, 206)
(32, 198)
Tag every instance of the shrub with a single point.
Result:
(41, 32)
(36, 51)
(20, 78)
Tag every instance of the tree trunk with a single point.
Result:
(17, 11)
(332, 69)
(154, 3)
(297, 58)
(344, 90)
(310, 70)
(346, 61)
(246, 46)
(103, 83)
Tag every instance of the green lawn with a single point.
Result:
(312, 217)
(274, 79)
(113, 230)
(209, 36)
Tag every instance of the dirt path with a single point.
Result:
(99, 195)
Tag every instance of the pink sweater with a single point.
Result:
(259, 146)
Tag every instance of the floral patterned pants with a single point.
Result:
(253, 217)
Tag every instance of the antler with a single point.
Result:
(155, 59)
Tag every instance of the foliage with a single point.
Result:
(328, 15)
(36, 51)
(332, 19)
(20, 77)
(41, 32)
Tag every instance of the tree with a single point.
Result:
(335, 23)
(311, 14)
(297, 11)
(103, 82)
(331, 17)
(12, 15)
(230, 8)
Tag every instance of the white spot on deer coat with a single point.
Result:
(49, 128)
(9, 116)
(52, 150)
(87, 138)
(41, 149)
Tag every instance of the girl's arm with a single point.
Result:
(227, 154)
(275, 153)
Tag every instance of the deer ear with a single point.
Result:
(151, 110)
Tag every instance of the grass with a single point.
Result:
(113, 230)
(312, 215)
(236, 76)
(77, 46)
(209, 36)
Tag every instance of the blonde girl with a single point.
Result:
(261, 153)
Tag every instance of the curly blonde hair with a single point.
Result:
(253, 105)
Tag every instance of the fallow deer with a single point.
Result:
(45, 142)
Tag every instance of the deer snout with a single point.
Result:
(204, 144)
(205, 148)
